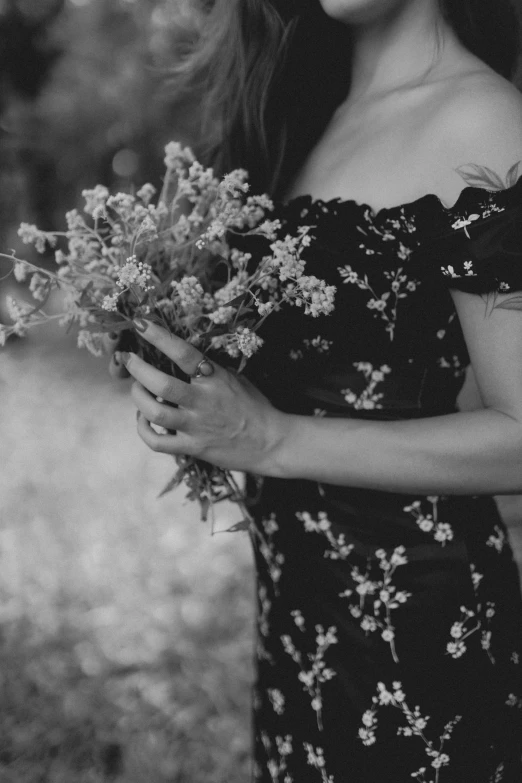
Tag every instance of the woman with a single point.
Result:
(390, 618)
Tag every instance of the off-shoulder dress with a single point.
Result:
(389, 638)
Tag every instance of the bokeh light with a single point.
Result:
(125, 163)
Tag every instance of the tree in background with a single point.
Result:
(26, 60)
(81, 102)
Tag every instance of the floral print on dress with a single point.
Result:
(369, 399)
(315, 758)
(339, 549)
(497, 540)
(317, 344)
(416, 726)
(428, 522)
(277, 757)
(386, 305)
(274, 559)
(314, 671)
(377, 598)
(263, 624)
(454, 363)
(386, 621)
(277, 700)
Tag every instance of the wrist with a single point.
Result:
(281, 444)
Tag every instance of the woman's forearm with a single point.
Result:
(477, 452)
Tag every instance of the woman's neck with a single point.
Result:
(399, 49)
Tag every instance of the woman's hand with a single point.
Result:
(221, 418)
(116, 367)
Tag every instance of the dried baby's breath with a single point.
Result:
(177, 263)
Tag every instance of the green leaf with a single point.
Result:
(480, 177)
(217, 330)
(205, 508)
(175, 481)
(244, 524)
(513, 175)
(118, 326)
(512, 303)
(236, 301)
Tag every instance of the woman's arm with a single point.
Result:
(226, 421)
(472, 452)
(458, 454)
(478, 452)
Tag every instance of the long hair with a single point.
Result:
(267, 75)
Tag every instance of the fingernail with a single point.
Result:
(116, 358)
(124, 356)
(140, 324)
(113, 335)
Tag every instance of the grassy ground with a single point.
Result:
(125, 628)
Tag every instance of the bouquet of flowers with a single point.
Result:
(175, 260)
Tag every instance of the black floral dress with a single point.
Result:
(389, 643)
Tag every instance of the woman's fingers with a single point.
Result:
(166, 444)
(158, 413)
(117, 368)
(182, 353)
(159, 383)
(110, 341)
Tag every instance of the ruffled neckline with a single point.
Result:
(467, 200)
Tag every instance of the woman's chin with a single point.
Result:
(357, 11)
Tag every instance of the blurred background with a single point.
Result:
(125, 628)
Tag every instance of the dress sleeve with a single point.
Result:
(480, 250)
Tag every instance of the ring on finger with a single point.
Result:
(204, 369)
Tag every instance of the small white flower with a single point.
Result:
(368, 737)
(384, 696)
(110, 302)
(92, 341)
(31, 235)
(20, 270)
(134, 272)
(456, 630)
(441, 760)
(443, 532)
(248, 341)
(146, 192)
(398, 556)
(95, 199)
(176, 155)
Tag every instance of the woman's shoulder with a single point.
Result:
(479, 168)
(479, 123)
(483, 101)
